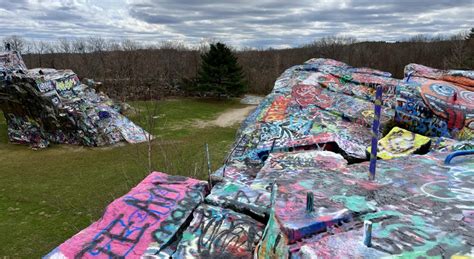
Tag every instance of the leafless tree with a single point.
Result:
(16, 42)
(129, 45)
(129, 67)
(462, 52)
(79, 45)
(64, 45)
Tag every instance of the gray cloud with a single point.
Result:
(263, 23)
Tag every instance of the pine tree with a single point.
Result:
(220, 74)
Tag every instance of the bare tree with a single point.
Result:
(16, 42)
(172, 45)
(420, 38)
(461, 53)
(129, 45)
(97, 44)
(64, 45)
(129, 67)
(79, 45)
(113, 45)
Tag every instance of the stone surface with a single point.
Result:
(145, 220)
(219, 233)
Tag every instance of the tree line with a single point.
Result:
(132, 70)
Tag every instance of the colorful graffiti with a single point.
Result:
(428, 199)
(152, 212)
(277, 110)
(241, 198)
(450, 102)
(10, 61)
(342, 245)
(437, 102)
(274, 244)
(400, 142)
(44, 106)
(414, 204)
(295, 183)
(463, 78)
(218, 233)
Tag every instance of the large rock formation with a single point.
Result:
(296, 184)
(44, 106)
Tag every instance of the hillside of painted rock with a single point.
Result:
(45, 105)
(296, 183)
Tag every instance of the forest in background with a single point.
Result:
(130, 70)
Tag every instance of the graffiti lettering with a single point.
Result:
(277, 110)
(216, 232)
(66, 84)
(152, 213)
(118, 231)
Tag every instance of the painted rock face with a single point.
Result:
(304, 94)
(450, 102)
(277, 110)
(400, 142)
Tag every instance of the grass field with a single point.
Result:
(46, 196)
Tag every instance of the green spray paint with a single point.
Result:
(231, 188)
(354, 203)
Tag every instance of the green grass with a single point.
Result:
(46, 196)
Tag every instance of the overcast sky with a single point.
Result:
(252, 23)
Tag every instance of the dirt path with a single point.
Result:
(228, 118)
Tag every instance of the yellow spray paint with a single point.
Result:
(399, 143)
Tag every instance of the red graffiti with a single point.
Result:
(304, 94)
(450, 102)
(277, 111)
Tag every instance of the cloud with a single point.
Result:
(263, 23)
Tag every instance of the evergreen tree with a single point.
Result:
(220, 74)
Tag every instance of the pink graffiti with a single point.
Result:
(127, 226)
(310, 140)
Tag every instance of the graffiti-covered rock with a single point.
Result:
(240, 197)
(437, 103)
(144, 221)
(219, 233)
(296, 182)
(400, 142)
(44, 106)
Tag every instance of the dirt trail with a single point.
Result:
(228, 118)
